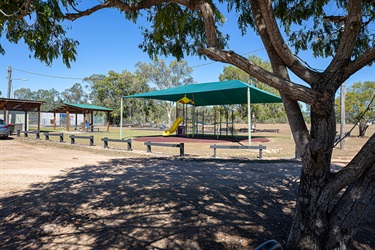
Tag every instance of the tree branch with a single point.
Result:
(292, 90)
(348, 40)
(358, 64)
(75, 16)
(263, 9)
(361, 163)
(209, 24)
(293, 111)
(18, 15)
(352, 206)
(145, 4)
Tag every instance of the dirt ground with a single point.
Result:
(70, 197)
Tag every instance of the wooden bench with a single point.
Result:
(260, 148)
(173, 145)
(267, 130)
(73, 137)
(47, 135)
(37, 134)
(128, 141)
(93, 128)
(76, 127)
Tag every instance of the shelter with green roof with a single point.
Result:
(86, 109)
(213, 93)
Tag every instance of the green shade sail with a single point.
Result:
(213, 93)
(78, 108)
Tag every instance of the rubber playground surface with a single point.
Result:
(201, 139)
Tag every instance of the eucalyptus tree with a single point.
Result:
(50, 98)
(360, 105)
(107, 90)
(330, 205)
(158, 73)
(23, 94)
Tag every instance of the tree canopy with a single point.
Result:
(108, 90)
(360, 105)
(157, 73)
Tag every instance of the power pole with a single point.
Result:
(342, 115)
(9, 81)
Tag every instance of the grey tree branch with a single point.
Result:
(358, 64)
(361, 163)
(145, 4)
(294, 91)
(348, 41)
(264, 9)
(297, 124)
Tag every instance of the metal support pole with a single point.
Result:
(9, 81)
(249, 115)
(342, 115)
(121, 114)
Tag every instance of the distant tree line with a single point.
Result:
(107, 90)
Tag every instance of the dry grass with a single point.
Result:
(280, 145)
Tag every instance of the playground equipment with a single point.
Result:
(192, 122)
(174, 127)
(218, 122)
(184, 100)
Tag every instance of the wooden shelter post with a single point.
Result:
(67, 120)
(108, 118)
(26, 124)
(54, 121)
(84, 121)
(5, 114)
(39, 118)
(92, 120)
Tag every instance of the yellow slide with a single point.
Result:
(174, 127)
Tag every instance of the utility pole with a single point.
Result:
(342, 115)
(9, 81)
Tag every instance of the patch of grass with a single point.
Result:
(281, 145)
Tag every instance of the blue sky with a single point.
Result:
(109, 42)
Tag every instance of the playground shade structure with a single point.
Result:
(213, 93)
(173, 127)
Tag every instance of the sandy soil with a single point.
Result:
(23, 164)
(71, 198)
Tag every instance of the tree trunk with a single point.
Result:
(362, 129)
(311, 218)
(323, 218)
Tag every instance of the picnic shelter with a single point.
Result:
(86, 109)
(7, 104)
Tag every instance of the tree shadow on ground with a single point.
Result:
(154, 204)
